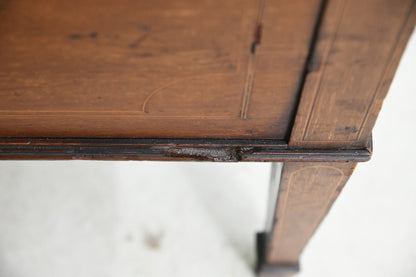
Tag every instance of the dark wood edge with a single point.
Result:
(263, 268)
(222, 150)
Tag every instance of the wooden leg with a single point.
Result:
(306, 192)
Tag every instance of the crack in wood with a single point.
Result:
(251, 67)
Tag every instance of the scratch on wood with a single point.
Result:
(137, 42)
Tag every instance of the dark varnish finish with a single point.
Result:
(170, 149)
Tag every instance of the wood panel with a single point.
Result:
(358, 49)
(166, 69)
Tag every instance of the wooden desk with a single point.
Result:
(299, 82)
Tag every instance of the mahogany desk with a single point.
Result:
(293, 81)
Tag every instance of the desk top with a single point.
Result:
(170, 69)
(259, 80)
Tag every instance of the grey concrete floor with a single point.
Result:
(198, 219)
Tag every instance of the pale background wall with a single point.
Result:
(199, 219)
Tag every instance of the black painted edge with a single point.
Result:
(263, 268)
(220, 150)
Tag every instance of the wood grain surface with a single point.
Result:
(358, 49)
(306, 193)
(165, 69)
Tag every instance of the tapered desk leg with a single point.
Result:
(306, 192)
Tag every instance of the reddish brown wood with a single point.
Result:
(357, 52)
(306, 193)
(155, 69)
(176, 80)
